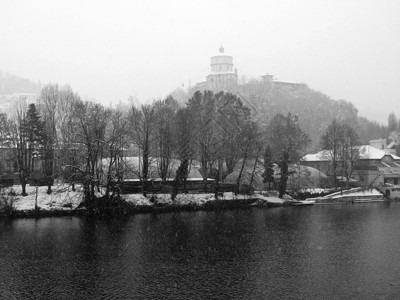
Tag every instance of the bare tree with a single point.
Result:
(350, 153)
(184, 150)
(68, 150)
(48, 101)
(91, 123)
(142, 131)
(340, 142)
(219, 121)
(115, 141)
(250, 139)
(203, 110)
(256, 164)
(232, 117)
(332, 141)
(287, 140)
(164, 136)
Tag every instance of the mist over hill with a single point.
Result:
(315, 109)
(11, 84)
(13, 87)
(265, 99)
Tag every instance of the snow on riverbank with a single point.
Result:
(201, 198)
(356, 192)
(63, 198)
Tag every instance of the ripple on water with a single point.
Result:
(321, 252)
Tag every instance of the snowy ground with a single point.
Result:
(352, 194)
(63, 198)
(356, 192)
(139, 199)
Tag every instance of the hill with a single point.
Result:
(13, 87)
(315, 109)
(265, 98)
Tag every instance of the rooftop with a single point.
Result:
(366, 152)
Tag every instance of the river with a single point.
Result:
(319, 252)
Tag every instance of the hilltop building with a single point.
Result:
(224, 76)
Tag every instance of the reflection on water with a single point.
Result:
(320, 252)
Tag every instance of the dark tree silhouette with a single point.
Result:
(287, 141)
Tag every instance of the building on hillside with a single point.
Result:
(224, 76)
(374, 168)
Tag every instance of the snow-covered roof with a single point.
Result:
(369, 152)
(366, 152)
(323, 155)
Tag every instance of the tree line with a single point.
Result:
(83, 140)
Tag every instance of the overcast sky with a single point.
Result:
(109, 50)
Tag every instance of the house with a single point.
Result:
(374, 167)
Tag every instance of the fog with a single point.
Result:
(110, 50)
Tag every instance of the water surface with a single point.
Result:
(319, 252)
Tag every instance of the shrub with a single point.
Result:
(7, 202)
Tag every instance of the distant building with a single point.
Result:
(382, 145)
(267, 78)
(375, 167)
(378, 144)
(224, 76)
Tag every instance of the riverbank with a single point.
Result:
(63, 201)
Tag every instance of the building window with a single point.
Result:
(362, 179)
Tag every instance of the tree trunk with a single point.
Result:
(254, 169)
(180, 177)
(284, 173)
(246, 152)
(24, 189)
(240, 174)
(49, 189)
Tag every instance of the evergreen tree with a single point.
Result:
(392, 122)
(268, 175)
(4, 130)
(34, 127)
(28, 137)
